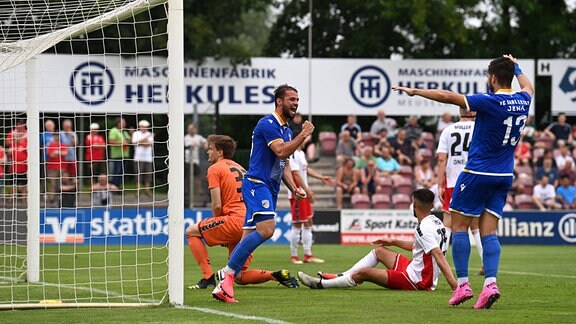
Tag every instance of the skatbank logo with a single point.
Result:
(61, 232)
(66, 228)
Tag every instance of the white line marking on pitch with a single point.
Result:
(186, 307)
(549, 275)
(538, 274)
(227, 314)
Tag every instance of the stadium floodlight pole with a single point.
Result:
(176, 152)
(310, 10)
(33, 174)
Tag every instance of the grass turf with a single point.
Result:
(537, 284)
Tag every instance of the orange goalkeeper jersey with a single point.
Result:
(227, 175)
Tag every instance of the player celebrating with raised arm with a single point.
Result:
(482, 188)
(421, 273)
(452, 152)
(272, 144)
(228, 211)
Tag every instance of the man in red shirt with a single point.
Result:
(56, 157)
(95, 156)
(19, 166)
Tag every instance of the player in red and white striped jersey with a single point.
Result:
(420, 273)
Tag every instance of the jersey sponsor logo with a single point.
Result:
(92, 83)
(567, 228)
(370, 86)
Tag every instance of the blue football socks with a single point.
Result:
(246, 246)
(491, 246)
(461, 253)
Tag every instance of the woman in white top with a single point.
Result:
(425, 176)
(144, 156)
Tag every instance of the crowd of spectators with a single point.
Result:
(104, 164)
(380, 162)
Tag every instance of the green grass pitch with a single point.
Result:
(538, 285)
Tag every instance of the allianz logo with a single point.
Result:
(511, 227)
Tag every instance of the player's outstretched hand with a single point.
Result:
(299, 193)
(385, 241)
(328, 180)
(307, 128)
(512, 58)
(408, 91)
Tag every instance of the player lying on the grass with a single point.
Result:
(228, 211)
(421, 273)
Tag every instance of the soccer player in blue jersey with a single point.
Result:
(272, 144)
(482, 188)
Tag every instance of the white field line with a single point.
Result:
(535, 274)
(144, 300)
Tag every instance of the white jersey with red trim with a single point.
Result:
(455, 142)
(298, 162)
(423, 270)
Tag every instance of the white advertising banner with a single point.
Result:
(363, 226)
(112, 84)
(563, 73)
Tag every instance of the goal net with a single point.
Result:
(84, 195)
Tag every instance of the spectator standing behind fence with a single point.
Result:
(143, 138)
(95, 155)
(56, 152)
(46, 137)
(102, 192)
(193, 143)
(560, 130)
(119, 142)
(351, 126)
(19, 166)
(17, 134)
(69, 138)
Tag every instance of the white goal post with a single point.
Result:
(98, 251)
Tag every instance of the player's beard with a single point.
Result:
(287, 112)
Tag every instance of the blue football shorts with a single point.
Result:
(474, 193)
(259, 201)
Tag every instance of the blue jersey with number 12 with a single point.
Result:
(500, 119)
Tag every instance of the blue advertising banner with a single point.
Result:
(127, 226)
(551, 228)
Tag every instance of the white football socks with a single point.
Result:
(368, 261)
(294, 240)
(344, 281)
(307, 240)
